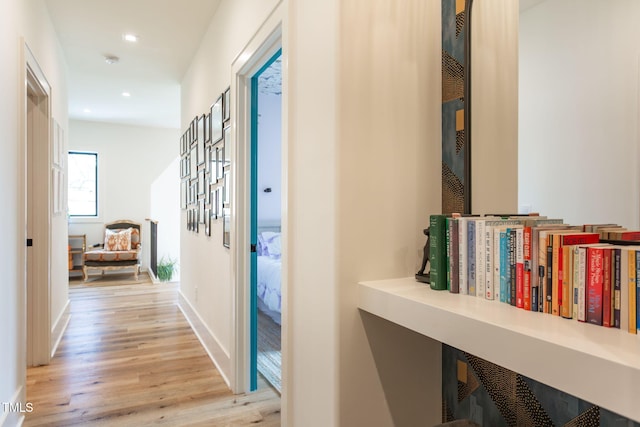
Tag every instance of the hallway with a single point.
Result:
(129, 358)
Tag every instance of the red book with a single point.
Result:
(624, 235)
(606, 287)
(595, 283)
(526, 252)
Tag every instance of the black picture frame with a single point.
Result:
(226, 189)
(189, 220)
(183, 144)
(193, 162)
(226, 105)
(213, 201)
(226, 227)
(207, 128)
(201, 183)
(219, 162)
(207, 222)
(201, 140)
(228, 145)
(216, 120)
(201, 209)
(193, 129)
(183, 194)
(220, 207)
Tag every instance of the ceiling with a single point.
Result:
(150, 70)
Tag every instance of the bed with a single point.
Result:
(269, 274)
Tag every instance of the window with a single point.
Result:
(83, 184)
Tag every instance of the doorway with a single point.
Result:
(266, 221)
(37, 184)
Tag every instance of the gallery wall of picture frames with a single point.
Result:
(205, 166)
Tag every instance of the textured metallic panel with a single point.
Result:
(452, 191)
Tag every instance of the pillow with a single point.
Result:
(271, 246)
(117, 240)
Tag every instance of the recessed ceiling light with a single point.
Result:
(126, 94)
(111, 59)
(86, 110)
(132, 38)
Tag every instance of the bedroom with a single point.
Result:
(267, 193)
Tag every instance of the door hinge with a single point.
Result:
(29, 242)
(254, 248)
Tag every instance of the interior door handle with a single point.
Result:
(29, 242)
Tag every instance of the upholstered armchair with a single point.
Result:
(121, 249)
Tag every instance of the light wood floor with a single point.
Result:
(129, 358)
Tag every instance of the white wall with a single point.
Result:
(579, 110)
(387, 183)
(205, 280)
(165, 208)
(494, 105)
(130, 159)
(28, 20)
(269, 158)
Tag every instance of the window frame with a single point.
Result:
(97, 190)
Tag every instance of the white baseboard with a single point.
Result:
(12, 418)
(211, 345)
(59, 326)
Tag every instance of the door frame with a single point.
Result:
(263, 45)
(253, 236)
(37, 301)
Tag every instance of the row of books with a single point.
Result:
(589, 272)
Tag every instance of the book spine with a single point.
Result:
(496, 265)
(575, 269)
(471, 255)
(512, 267)
(542, 270)
(566, 309)
(624, 289)
(448, 225)
(636, 302)
(504, 266)
(480, 259)
(549, 279)
(519, 268)
(606, 287)
(616, 287)
(462, 256)
(632, 319)
(582, 285)
(535, 282)
(437, 252)
(526, 253)
(488, 269)
(454, 261)
(556, 269)
(594, 286)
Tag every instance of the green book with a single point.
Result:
(438, 252)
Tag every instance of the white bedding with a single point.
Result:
(269, 296)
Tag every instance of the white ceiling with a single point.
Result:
(150, 70)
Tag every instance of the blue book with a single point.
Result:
(504, 265)
(471, 256)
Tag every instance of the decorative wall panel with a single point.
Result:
(491, 395)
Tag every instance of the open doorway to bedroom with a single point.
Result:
(266, 190)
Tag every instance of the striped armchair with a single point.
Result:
(121, 249)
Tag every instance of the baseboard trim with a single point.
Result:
(59, 327)
(13, 418)
(211, 345)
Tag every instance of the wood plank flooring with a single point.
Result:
(129, 358)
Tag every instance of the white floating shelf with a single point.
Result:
(600, 365)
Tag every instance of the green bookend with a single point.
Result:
(438, 252)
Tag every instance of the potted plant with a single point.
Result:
(166, 268)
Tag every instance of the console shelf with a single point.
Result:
(600, 365)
